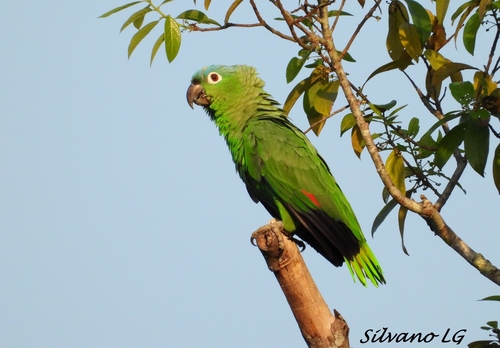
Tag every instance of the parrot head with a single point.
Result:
(220, 85)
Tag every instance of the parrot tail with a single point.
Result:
(366, 266)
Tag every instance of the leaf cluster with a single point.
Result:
(171, 34)
(417, 158)
(415, 36)
(490, 326)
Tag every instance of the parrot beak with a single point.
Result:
(196, 94)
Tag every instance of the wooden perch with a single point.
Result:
(319, 327)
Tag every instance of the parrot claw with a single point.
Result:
(253, 240)
(300, 244)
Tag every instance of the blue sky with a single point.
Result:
(123, 223)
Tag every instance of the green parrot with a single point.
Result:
(281, 168)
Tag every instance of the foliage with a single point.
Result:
(490, 326)
(418, 158)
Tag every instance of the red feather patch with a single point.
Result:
(311, 197)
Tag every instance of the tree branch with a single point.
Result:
(326, 118)
(493, 49)
(444, 231)
(425, 208)
(267, 26)
(368, 15)
(319, 328)
(292, 24)
(452, 183)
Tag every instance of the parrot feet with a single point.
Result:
(300, 244)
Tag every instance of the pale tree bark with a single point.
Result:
(319, 327)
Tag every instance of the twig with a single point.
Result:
(326, 118)
(452, 183)
(267, 26)
(493, 48)
(290, 22)
(337, 17)
(368, 15)
(195, 27)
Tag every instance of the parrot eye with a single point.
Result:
(214, 78)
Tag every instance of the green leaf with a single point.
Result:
(481, 344)
(313, 116)
(466, 9)
(484, 84)
(496, 173)
(397, 16)
(383, 214)
(493, 324)
(137, 38)
(426, 142)
(347, 57)
(448, 144)
(396, 110)
(385, 195)
(135, 16)
(461, 9)
(480, 115)
(197, 16)
(413, 127)
(347, 123)
(396, 169)
(400, 64)
(172, 38)
(380, 108)
(317, 63)
(231, 9)
(326, 96)
(138, 22)
(441, 9)
(401, 224)
(447, 118)
(477, 140)
(293, 68)
(408, 34)
(304, 21)
(463, 92)
(491, 298)
(421, 20)
(316, 121)
(207, 4)
(335, 13)
(311, 93)
(470, 32)
(119, 8)
(482, 8)
(435, 58)
(375, 109)
(448, 69)
(156, 46)
(358, 144)
(295, 94)
(318, 101)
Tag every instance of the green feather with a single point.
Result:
(281, 168)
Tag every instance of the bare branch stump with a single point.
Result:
(319, 327)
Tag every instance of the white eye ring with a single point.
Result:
(214, 78)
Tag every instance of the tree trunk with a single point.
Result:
(319, 327)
